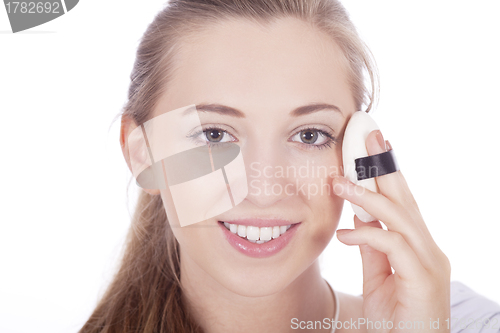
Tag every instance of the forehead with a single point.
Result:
(242, 63)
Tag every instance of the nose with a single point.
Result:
(266, 174)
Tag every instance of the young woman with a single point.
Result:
(281, 79)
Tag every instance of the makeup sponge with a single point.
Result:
(353, 147)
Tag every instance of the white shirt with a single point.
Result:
(470, 311)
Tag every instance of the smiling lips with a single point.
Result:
(258, 241)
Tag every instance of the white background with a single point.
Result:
(64, 214)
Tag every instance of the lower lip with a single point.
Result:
(259, 250)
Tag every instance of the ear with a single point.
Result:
(127, 126)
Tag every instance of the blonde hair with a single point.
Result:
(145, 294)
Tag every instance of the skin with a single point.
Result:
(266, 73)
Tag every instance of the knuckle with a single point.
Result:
(402, 213)
(446, 264)
(364, 230)
(398, 240)
(442, 265)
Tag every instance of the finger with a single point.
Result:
(392, 185)
(376, 266)
(397, 218)
(376, 204)
(400, 255)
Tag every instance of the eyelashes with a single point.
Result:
(326, 138)
(210, 134)
(215, 136)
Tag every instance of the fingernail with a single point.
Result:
(341, 232)
(337, 185)
(388, 145)
(381, 140)
(340, 185)
(340, 179)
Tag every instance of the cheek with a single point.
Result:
(325, 218)
(322, 223)
(196, 241)
(190, 236)
(313, 172)
(325, 207)
(168, 204)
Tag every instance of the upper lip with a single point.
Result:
(260, 222)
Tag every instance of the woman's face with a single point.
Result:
(290, 154)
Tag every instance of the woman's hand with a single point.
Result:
(418, 292)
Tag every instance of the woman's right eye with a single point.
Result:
(213, 135)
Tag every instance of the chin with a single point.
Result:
(259, 282)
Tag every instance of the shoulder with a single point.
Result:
(472, 312)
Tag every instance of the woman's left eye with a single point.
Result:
(313, 137)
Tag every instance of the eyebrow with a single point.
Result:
(221, 109)
(300, 111)
(308, 109)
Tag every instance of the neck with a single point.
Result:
(217, 309)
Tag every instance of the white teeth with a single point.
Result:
(276, 232)
(255, 234)
(242, 231)
(266, 233)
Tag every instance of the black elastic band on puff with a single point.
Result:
(376, 165)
